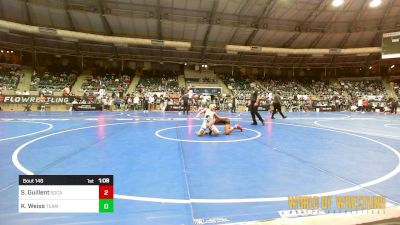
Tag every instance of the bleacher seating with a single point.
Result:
(109, 82)
(53, 81)
(204, 80)
(324, 90)
(238, 84)
(156, 81)
(9, 77)
(288, 89)
(363, 88)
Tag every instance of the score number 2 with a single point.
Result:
(106, 192)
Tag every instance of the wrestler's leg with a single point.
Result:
(201, 132)
(228, 129)
(203, 129)
(214, 130)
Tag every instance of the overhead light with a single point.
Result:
(8, 51)
(392, 66)
(2, 51)
(12, 51)
(370, 67)
(205, 66)
(185, 63)
(375, 3)
(337, 3)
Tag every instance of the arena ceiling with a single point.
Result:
(209, 25)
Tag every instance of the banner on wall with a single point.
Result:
(326, 108)
(174, 108)
(263, 108)
(87, 107)
(15, 99)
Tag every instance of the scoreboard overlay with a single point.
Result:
(66, 194)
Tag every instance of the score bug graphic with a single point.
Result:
(66, 194)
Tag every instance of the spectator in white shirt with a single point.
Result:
(151, 103)
(360, 104)
(136, 103)
(102, 92)
(26, 92)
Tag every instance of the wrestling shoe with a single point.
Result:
(237, 126)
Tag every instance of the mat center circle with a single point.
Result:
(214, 139)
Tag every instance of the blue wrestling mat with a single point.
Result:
(165, 174)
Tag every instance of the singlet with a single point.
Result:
(209, 115)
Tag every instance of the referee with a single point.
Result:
(254, 103)
(277, 103)
(186, 107)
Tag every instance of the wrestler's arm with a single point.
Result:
(201, 112)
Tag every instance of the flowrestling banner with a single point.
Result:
(15, 99)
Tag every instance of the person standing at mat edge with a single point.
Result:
(277, 103)
(186, 107)
(254, 103)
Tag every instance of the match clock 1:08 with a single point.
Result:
(104, 180)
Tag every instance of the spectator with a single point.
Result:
(151, 103)
(120, 91)
(42, 102)
(394, 104)
(365, 105)
(136, 102)
(66, 91)
(129, 102)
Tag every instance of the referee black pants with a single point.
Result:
(277, 107)
(394, 109)
(186, 108)
(254, 113)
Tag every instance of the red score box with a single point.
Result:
(106, 192)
